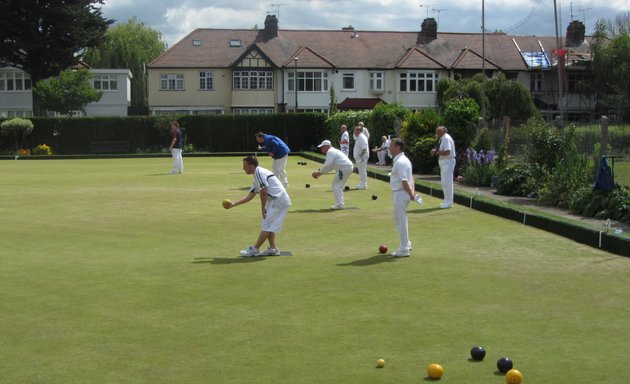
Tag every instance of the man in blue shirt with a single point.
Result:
(278, 151)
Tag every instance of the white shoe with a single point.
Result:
(270, 252)
(445, 206)
(401, 253)
(251, 251)
(409, 246)
(337, 206)
(361, 187)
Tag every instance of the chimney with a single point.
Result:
(429, 29)
(349, 28)
(271, 26)
(575, 33)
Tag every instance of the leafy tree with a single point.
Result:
(385, 118)
(461, 117)
(45, 37)
(611, 71)
(129, 45)
(70, 91)
(17, 128)
(618, 25)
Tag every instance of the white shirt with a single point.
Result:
(264, 178)
(401, 172)
(364, 131)
(447, 144)
(344, 142)
(361, 146)
(335, 159)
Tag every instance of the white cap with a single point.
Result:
(325, 142)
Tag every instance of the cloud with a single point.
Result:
(176, 18)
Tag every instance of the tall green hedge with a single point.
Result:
(213, 133)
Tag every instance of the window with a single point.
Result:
(206, 82)
(171, 82)
(418, 81)
(15, 81)
(235, 43)
(252, 111)
(105, 83)
(196, 43)
(535, 81)
(253, 80)
(348, 81)
(376, 81)
(309, 81)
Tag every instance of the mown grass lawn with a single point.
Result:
(113, 271)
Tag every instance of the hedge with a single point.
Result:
(212, 133)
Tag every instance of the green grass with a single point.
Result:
(113, 272)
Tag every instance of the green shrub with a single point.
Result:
(419, 124)
(418, 154)
(571, 172)
(519, 180)
(461, 118)
(16, 128)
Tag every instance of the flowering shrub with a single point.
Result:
(23, 152)
(41, 150)
(479, 168)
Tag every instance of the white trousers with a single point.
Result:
(381, 157)
(275, 212)
(447, 168)
(339, 182)
(178, 162)
(278, 167)
(362, 168)
(400, 200)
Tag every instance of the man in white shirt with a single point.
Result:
(344, 141)
(403, 191)
(361, 155)
(275, 203)
(383, 151)
(337, 160)
(445, 151)
(364, 130)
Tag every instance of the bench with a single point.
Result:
(121, 146)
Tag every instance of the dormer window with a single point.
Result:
(196, 43)
(235, 43)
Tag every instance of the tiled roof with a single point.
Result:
(368, 50)
(357, 103)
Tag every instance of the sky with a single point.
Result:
(177, 18)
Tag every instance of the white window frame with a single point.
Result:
(418, 81)
(206, 80)
(252, 80)
(252, 110)
(171, 82)
(18, 82)
(105, 83)
(535, 81)
(309, 81)
(377, 81)
(347, 81)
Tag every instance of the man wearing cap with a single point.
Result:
(337, 160)
(278, 151)
(361, 155)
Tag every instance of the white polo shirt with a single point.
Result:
(447, 144)
(401, 172)
(264, 178)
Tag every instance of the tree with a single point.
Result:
(17, 128)
(611, 72)
(45, 37)
(70, 91)
(131, 45)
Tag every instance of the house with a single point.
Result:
(16, 99)
(272, 70)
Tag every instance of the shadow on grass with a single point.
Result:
(240, 189)
(324, 210)
(226, 260)
(424, 210)
(370, 261)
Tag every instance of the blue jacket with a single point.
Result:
(273, 144)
